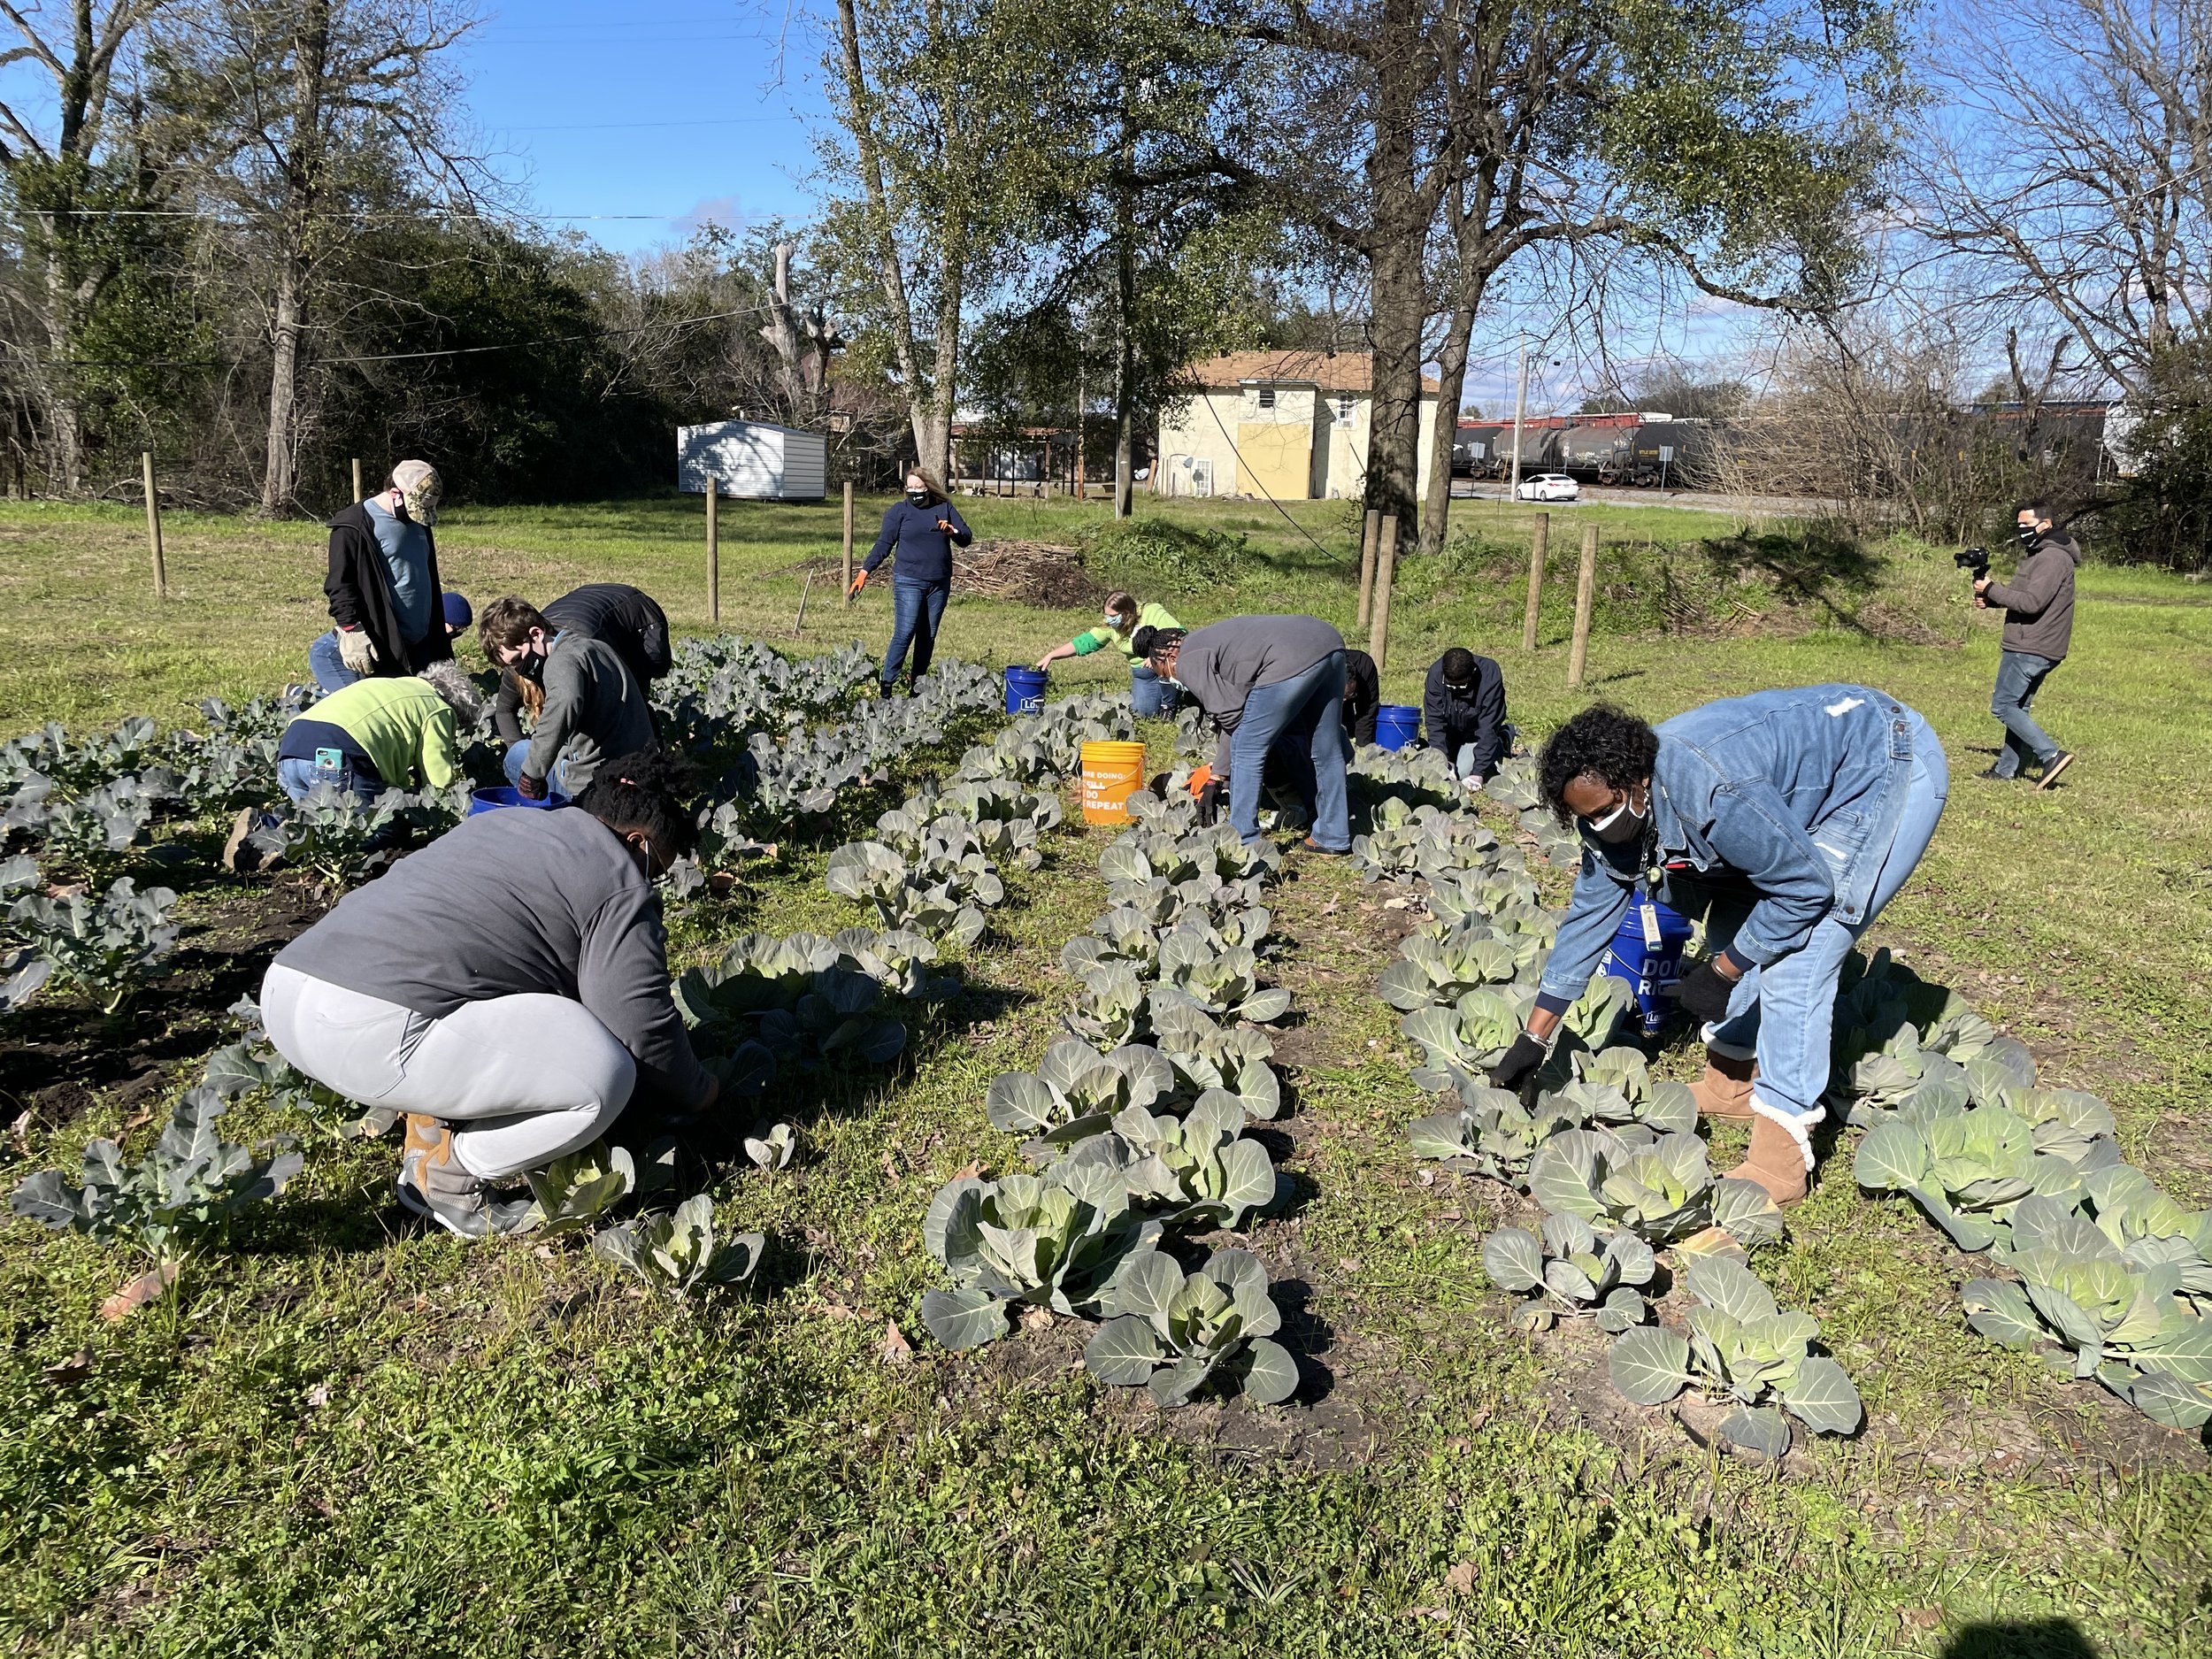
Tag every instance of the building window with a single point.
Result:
(1344, 410)
(1265, 397)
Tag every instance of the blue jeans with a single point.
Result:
(512, 763)
(1301, 720)
(1149, 693)
(2019, 676)
(1799, 989)
(329, 669)
(917, 608)
(299, 779)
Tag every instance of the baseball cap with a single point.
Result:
(421, 488)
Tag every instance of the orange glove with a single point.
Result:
(860, 580)
(1201, 777)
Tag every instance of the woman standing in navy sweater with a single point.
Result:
(922, 529)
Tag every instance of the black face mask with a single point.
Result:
(532, 666)
(2030, 537)
(919, 497)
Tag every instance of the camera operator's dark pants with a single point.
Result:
(2019, 676)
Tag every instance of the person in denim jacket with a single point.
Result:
(1822, 799)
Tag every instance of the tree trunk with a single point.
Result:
(1398, 291)
(300, 227)
(284, 358)
(1125, 331)
(1451, 377)
(65, 425)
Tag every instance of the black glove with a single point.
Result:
(1526, 1054)
(1209, 804)
(1704, 994)
(530, 788)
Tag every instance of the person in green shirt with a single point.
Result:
(1149, 693)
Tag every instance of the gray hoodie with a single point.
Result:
(526, 900)
(2039, 601)
(593, 711)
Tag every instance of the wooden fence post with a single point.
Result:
(153, 526)
(714, 548)
(1367, 566)
(1386, 567)
(848, 601)
(1539, 549)
(356, 478)
(1585, 590)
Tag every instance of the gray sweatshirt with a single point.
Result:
(1224, 663)
(593, 711)
(508, 904)
(2039, 601)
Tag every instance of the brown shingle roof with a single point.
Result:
(1331, 370)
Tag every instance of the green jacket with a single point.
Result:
(1099, 639)
(406, 728)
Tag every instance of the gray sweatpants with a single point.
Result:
(522, 1079)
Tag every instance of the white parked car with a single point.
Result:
(1549, 486)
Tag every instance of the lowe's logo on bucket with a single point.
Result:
(1024, 690)
(1646, 951)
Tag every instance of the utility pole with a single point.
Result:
(1520, 408)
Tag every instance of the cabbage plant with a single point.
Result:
(1174, 1332)
(1196, 1168)
(1968, 1168)
(1076, 1090)
(1659, 1188)
(1415, 773)
(1404, 840)
(767, 990)
(1437, 972)
(1023, 1239)
(1567, 1270)
(1744, 1347)
(1491, 1132)
(1224, 981)
(1206, 1055)
(678, 1254)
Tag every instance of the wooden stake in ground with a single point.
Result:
(714, 549)
(848, 565)
(1585, 590)
(356, 478)
(1386, 567)
(799, 625)
(153, 526)
(1539, 549)
(1367, 565)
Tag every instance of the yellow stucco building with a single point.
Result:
(1292, 425)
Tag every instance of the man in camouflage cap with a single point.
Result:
(383, 587)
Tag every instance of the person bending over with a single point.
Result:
(1149, 693)
(1821, 801)
(1362, 696)
(383, 587)
(1463, 715)
(627, 619)
(506, 987)
(1269, 685)
(2038, 605)
(592, 708)
(922, 530)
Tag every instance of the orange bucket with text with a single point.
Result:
(1111, 772)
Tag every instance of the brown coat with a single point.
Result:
(2039, 601)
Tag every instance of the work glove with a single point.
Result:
(1521, 1060)
(355, 652)
(1209, 804)
(860, 580)
(530, 788)
(1704, 994)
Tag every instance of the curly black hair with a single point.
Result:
(646, 790)
(1602, 741)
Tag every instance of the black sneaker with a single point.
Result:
(1994, 776)
(2060, 762)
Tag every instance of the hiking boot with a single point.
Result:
(1725, 1091)
(1779, 1161)
(433, 1185)
(1313, 846)
(239, 852)
(2060, 762)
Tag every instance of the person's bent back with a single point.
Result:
(628, 619)
(507, 988)
(594, 706)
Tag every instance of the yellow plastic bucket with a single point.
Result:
(1110, 772)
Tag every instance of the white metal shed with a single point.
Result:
(753, 459)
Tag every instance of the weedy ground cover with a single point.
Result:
(336, 1432)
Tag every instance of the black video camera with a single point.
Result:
(1974, 559)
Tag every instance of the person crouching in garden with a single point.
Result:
(628, 619)
(592, 706)
(1822, 800)
(1149, 693)
(506, 987)
(922, 530)
(392, 616)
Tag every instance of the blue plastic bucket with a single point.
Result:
(1646, 951)
(507, 794)
(1396, 725)
(1025, 690)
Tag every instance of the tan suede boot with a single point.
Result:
(1776, 1161)
(433, 1184)
(1725, 1091)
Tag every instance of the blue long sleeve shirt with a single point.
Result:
(925, 551)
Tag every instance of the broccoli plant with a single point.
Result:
(1569, 1271)
(252, 1064)
(88, 832)
(106, 947)
(1075, 1090)
(180, 1196)
(1023, 1239)
(1175, 1331)
(1659, 1188)
(678, 1254)
(1743, 1346)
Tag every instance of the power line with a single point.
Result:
(611, 127)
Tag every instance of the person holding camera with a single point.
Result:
(2038, 607)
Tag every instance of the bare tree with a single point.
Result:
(2070, 167)
(803, 339)
(53, 185)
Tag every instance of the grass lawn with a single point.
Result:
(343, 1435)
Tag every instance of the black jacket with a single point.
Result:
(624, 619)
(1476, 715)
(359, 586)
(1363, 695)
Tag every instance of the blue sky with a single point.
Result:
(669, 109)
